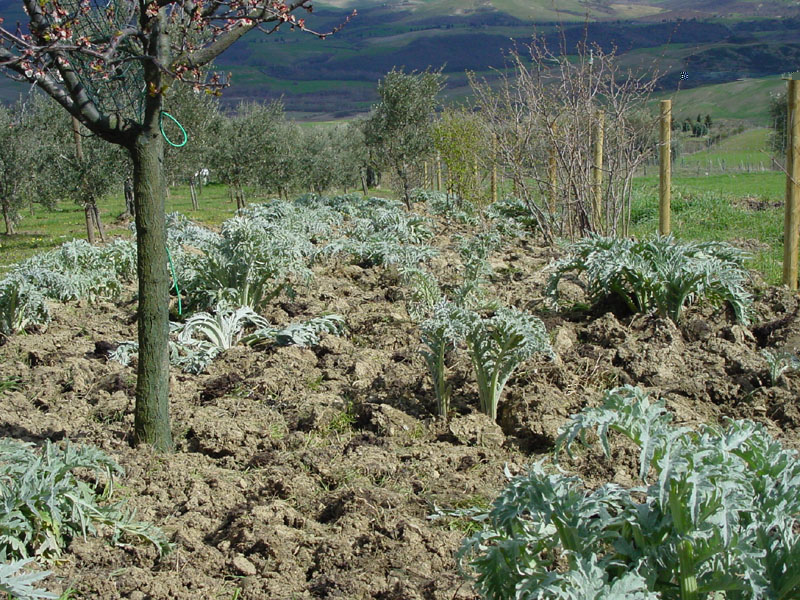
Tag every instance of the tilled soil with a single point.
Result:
(312, 472)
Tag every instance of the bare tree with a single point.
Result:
(544, 116)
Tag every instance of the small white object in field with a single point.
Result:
(202, 176)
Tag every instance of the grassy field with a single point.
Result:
(744, 208)
(748, 150)
(41, 230)
(745, 100)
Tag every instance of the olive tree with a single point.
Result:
(109, 63)
(15, 160)
(399, 129)
(278, 165)
(77, 165)
(331, 157)
(27, 146)
(89, 174)
(351, 155)
(246, 145)
(198, 113)
(316, 148)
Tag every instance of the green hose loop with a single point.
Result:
(175, 283)
(183, 131)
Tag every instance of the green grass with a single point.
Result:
(744, 151)
(755, 139)
(745, 209)
(214, 203)
(10, 384)
(41, 230)
(322, 124)
(769, 186)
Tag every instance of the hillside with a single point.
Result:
(346, 66)
(715, 41)
(745, 99)
(576, 10)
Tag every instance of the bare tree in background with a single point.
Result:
(543, 116)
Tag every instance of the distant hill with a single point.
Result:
(744, 99)
(711, 50)
(714, 40)
(577, 10)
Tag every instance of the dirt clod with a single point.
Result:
(311, 472)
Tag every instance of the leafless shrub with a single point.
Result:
(543, 114)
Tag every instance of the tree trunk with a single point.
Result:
(87, 208)
(402, 174)
(98, 223)
(151, 419)
(193, 194)
(373, 177)
(87, 211)
(8, 221)
(130, 208)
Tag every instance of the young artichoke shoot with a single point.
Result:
(441, 334)
(498, 345)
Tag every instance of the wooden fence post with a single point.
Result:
(476, 176)
(552, 169)
(597, 175)
(791, 222)
(664, 171)
(493, 184)
(438, 172)
(76, 135)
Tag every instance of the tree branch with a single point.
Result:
(206, 54)
(268, 12)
